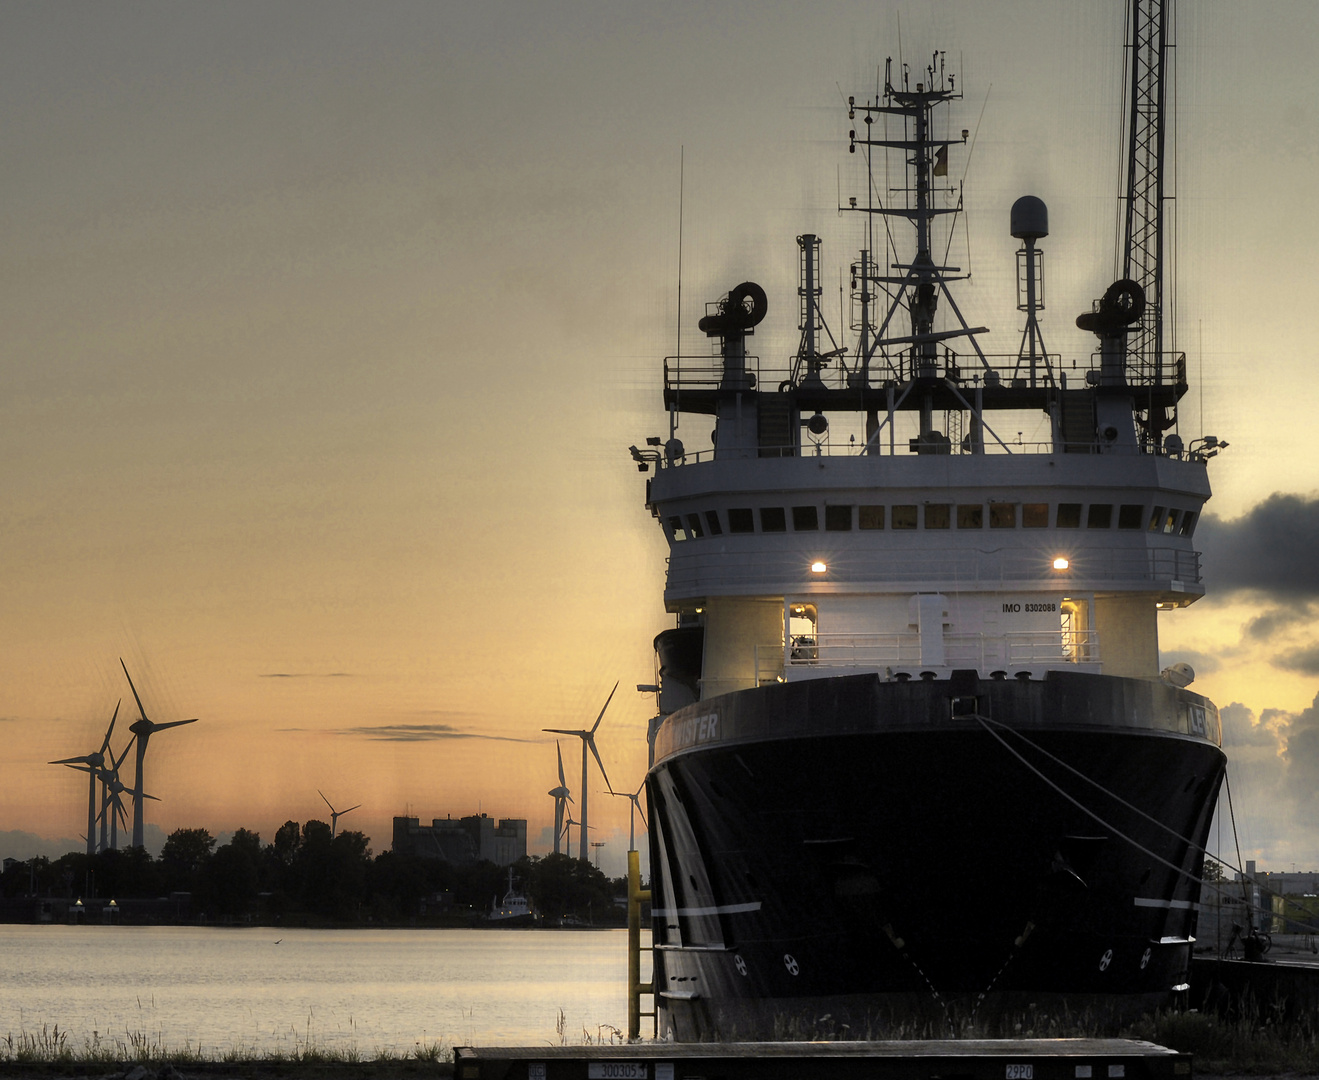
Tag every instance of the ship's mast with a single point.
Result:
(1149, 57)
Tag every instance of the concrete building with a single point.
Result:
(468, 840)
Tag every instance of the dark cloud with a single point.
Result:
(1273, 549)
(1301, 754)
(421, 733)
(1276, 619)
(1306, 660)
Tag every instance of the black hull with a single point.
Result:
(855, 852)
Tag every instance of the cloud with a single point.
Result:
(1306, 660)
(421, 733)
(304, 675)
(1276, 619)
(1270, 549)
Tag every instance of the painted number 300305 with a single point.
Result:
(616, 1070)
(1020, 1072)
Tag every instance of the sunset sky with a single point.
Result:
(327, 327)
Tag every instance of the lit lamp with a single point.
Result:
(1060, 563)
(818, 567)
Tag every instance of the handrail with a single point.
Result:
(979, 650)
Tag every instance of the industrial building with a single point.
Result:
(468, 840)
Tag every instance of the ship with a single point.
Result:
(915, 758)
(513, 910)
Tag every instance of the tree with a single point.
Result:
(185, 852)
(1213, 870)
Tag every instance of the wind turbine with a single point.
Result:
(588, 742)
(112, 802)
(632, 812)
(335, 815)
(143, 729)
(561, 796)
(567, 830)
(90, 763)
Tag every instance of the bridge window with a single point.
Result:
(871, 517)
(1035, 515)
(937, 515)
(1002, 515)
(1130, 516)
(1188, 524)
(904, 517)
(1170, 522)
(740, 521)
(805, 519)
(1156, 519)
(694, 529)
(773, 519)
(675, 527)
(837, 519)
(1069, 516)
(970, 517)
(1101, 516)
(712, 519)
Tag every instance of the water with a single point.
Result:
(370, 991)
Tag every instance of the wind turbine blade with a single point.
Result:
(591, 744)
(326, 801)
(565, 731)
(85, 760)
(637, 803)
(105, 743)
(172, 723)
(70, 765)
(558, 750)
(142, 712)
(602, 711)
(120, 759)
(350, 809)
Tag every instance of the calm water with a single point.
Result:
(372, 990)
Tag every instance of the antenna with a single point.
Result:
(677, 352)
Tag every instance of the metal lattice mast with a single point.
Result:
(1142, 260)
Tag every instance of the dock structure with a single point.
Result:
(946, 1059)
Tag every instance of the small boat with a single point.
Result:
(513, 910)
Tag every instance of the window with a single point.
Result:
(1101, 516)
(1188, 524)
(1069, 516)
(970, 517)
(1156, 519)
(904, 517)
(1170, 522)
(712, 519)
(1035, 515)
(694, 529)
(805, 519)
(675, 527)
(773, 519)
(1130, 516)
(837, 519)
(1002, 515)
(937, 515)
(870, 517)
(739, 521)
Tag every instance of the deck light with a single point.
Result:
(818, 567)
(1060, 563)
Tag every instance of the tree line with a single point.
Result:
(305, 875)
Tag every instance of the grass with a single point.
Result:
(51, 1045)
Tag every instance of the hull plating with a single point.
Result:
(852, 851)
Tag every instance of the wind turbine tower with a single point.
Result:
(588, 743)
(143, 729)
(335, 815)
(561, 796)
(633, 810)
(91, 764)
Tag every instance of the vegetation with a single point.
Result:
(305, 877)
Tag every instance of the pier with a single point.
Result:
(937, 1059)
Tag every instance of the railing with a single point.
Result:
(985, 652)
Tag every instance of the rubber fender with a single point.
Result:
(1125, 298)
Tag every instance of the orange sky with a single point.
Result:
(328, 327)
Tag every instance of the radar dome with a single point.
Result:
(1030, 218)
